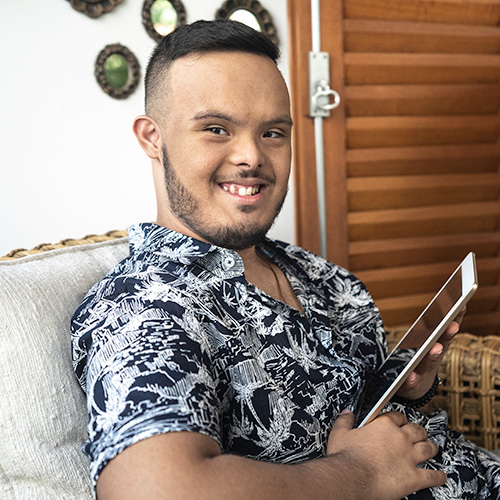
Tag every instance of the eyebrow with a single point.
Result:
(216, 115)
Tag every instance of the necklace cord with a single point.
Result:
(270, 266)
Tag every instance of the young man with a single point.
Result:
(219, 363)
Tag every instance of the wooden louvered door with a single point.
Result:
(412, 154)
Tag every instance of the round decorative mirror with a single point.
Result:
(161, 17)
(94, 8)
(251, 13)
(246, 17)
(117, 71)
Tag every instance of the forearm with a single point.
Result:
(147, 474)
(376, 462)
(230, 477)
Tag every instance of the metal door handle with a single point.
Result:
(324, 90)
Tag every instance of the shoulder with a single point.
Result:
(135, 296)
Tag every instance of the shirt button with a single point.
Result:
(228, 262)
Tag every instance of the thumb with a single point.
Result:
(343, 424)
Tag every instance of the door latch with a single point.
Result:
(320, 93)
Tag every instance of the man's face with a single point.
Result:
(226, 142)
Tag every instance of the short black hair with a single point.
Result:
(203, 37)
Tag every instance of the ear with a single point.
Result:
(148, 134)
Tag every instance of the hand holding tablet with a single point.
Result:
(417, 342)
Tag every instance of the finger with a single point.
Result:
(449, 334)
(424, 450)
(397, 418)
(410, 383)
(343, 424)
(460, 315)
(421, 380)
(430, 362)
(416, 433)
(453, 328)
(430, 478)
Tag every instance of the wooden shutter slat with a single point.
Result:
(400, 281)
(406, 280)
(376, 68)
(404, 310)
(372, 193)
(469, 12)
(486, 299)
(456, 158)
(424, 221)
(389, 100)
(370, 132)
(416, 214)
(485, 324)
(375, 254)
(422, 182)
(401, 36)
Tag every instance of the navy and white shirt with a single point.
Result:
(175, 339)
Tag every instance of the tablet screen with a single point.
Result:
(448, 297)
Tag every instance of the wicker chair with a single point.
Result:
(43, 416)
(470, 388)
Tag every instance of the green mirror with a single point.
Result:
(117, 71)
(161, 17)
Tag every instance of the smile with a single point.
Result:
(241, 190)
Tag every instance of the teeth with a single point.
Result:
(242, 190)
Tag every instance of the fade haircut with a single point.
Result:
(198, 38)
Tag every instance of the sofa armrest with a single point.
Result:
(69, 242)
(470, 389)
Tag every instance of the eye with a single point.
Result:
(217, 130)
(273, 134)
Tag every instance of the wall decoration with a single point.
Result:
(117, 71)
(251, 13)
(161, 17)
(94, 8)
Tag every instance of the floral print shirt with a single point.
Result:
(175, 339)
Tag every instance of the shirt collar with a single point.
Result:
(182, 249)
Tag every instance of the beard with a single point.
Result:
(186, 207)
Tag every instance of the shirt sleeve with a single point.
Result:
(148, 372)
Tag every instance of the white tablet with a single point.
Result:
(416, 343)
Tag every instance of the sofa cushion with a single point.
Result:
(43, 413)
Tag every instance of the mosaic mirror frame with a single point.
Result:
(253, 6)
(147, 21)
(94, 8)
(133, 71)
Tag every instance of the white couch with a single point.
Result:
(42, 411)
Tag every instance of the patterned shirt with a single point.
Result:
(175, 339)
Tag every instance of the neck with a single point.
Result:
(261, 272)
(251, 259)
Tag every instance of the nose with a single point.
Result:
(247, 152)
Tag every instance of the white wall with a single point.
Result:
(69, 162)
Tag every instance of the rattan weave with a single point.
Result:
(44, 247)
(470, 389)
